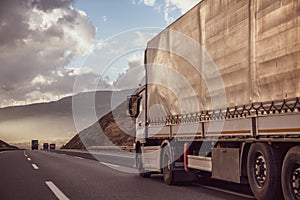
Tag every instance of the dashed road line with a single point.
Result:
(29, 159)
(110, 165)
(25, 154)
(78, 157)
(58, 193)
(35, 166)
(120, 168)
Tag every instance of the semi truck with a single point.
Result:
(221, 97)
(52, 146)
(34, 144)
(45, 146)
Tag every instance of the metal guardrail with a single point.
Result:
(111, 148)
(103, 149)
(254, 109)
(106, 154)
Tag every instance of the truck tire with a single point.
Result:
(263, 168)
(290, 174)
(142, 172)
(167, 166)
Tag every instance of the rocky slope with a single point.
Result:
(114, 128)
(5, 146)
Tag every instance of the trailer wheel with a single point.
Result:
(290, 174)
(263, 169)
(142, 172)
(167, 165)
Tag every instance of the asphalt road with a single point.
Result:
(48, 175)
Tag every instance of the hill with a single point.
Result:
(53, 122)
(5, 146)
(114, 128)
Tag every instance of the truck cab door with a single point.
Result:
(141, 128)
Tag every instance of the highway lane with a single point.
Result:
(72, 177)
(18, 179)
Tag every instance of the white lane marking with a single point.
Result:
(35, 166)
(78, 157)
(110, 165)
(25, 154)
(120, 168)
(29, 159)
(58, 193)
(228, 192)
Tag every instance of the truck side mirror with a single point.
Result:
(133, 105)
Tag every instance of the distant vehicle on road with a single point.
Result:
(45, 146)
(52, 146)
(34, 144)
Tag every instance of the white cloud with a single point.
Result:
(40, 79)
(104, 18)
(137, 2)
(136, 60)
(80, 71)
(37, 39)
(142, 38)
(149, 2)
(183, 6)
(59, 73)
(170, 6)
(53, 85)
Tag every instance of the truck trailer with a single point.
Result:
(52, 146)
(221, 97)
(45, 146)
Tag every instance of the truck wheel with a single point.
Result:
(142, 172)
(290, 174)
(263, 169)
(167, 165)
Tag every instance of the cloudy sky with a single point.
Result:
(46, 44)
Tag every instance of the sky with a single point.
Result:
(46, 45)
